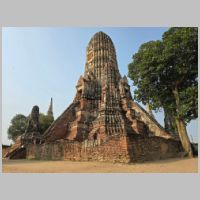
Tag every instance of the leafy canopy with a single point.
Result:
(161, 67)
(17, 126)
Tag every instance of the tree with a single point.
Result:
(17, 127)
(45, 122)
(169, 124)
(165, 73)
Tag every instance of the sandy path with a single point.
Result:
(34, 166)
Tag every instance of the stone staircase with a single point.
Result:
(16, 151)
(151, 123)
(58, 128)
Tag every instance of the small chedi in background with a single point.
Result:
(103, 122)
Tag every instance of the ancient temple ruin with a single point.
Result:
(103, 105)
(103, 122)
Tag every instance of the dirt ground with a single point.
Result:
(162, 166)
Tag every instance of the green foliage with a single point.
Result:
(17, 126)
(181, 54)
(45, 122)
(144, 74)
(166, 72)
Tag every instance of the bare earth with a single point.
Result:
(163, 166)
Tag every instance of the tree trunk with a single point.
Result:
(182, 127)
(170, 123)
(184, 137)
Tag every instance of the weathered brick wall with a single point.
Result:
(51, 151)
(142, 148)
(113, 150)
(117, 149)
(18, 154)
(5, 150)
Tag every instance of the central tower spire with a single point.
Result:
(101, 58)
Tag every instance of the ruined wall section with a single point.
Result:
(154, 127)
(5, 150)
(113, 150)
(143, 148)
(135, 148)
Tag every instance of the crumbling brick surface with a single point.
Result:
(116, 149)
(5, 150)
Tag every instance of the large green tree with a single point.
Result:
(165, 73)
(17, 127)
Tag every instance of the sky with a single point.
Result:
(43, 62)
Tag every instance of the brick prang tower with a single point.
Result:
(103, 105)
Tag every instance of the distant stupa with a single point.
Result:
(50, 110)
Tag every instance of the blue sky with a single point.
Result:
(40, 63)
